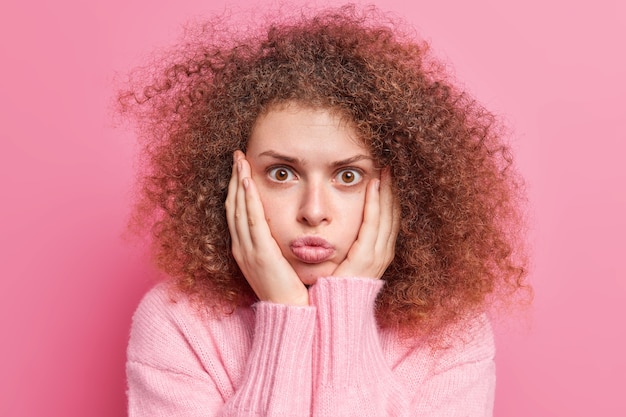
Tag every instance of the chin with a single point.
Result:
(308, 281)
(310, 273)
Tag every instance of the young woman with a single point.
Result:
(335, 217)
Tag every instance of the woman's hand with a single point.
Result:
(255, 250)
(374, 248)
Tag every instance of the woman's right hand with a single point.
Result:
(255, 250)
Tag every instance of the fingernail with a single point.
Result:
(238, 166)
(377, 185)
(245, 183)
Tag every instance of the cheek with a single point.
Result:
(351, 215)
(276, 212)
(269, 207)
(271, 211)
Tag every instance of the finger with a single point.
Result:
(231, 199)
(255, 215)
(389, 217)
(362, 249)
(368, 233)
(258, 228)
(396, 214)
(396, 222)
(241, 212)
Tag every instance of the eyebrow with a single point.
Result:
(280, 157)
(293, 160)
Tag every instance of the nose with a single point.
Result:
(315, 204)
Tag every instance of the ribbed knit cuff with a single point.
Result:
(279, 362)
(347, 343)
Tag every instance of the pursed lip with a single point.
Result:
(311, 249)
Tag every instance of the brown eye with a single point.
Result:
(280, 174)
(349, 177)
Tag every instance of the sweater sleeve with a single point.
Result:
(354, 376)
(178, 366)
(278, 372)
(351, 377)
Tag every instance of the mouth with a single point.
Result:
(311, 249)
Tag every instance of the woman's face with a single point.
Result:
(311, 172)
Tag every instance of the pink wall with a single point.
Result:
(70, 283)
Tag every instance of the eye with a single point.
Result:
(281, 174)
(349, 176)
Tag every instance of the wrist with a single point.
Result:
(292, 295)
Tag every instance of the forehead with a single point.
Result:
(304, 130)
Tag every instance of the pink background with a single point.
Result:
(69, 282)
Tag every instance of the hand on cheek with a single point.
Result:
(374, 248)
(255, 250)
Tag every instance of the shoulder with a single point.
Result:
(454, 374)
(468, 342)
(170, 331)
(160, 311)
(160, 326)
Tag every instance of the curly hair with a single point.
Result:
(459, 243)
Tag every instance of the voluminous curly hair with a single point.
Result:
(459, 240)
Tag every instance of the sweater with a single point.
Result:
(325, 359)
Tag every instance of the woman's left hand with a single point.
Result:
(374, 248)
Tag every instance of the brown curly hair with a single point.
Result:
(459, 241)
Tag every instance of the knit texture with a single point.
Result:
(327, 359)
